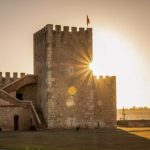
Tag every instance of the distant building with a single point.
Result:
(62, 92)
(134, 114)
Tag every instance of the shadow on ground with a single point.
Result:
(84, 139)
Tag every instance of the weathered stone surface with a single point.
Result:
(11, 107)
(61, 60)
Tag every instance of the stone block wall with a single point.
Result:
(29, 92)
(105, 101)
(68, 94)
(7, 113)
(40, 69)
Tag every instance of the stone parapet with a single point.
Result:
(59, 28)
(7, 78)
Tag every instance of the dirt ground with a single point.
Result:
(84, 139)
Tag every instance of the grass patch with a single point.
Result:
(84, 139)
(23, 147)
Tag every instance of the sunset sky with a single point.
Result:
(121, 39)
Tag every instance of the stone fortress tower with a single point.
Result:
(68, 93)
(62, 92)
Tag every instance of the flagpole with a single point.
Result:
(87, 20)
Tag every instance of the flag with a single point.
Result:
(87, 20)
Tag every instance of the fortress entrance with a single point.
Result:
(16, 122)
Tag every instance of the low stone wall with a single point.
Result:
(133, 123)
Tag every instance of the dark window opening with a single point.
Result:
(16, 122)
(19, 96)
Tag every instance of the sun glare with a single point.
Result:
(114, 55)
(91, 66)
(94, 68)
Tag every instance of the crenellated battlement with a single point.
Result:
(105, 80)
(7, 78)
(102, 77)
(60, 30)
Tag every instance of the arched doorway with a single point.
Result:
(16, 122)
(27, 92)
(19, 96)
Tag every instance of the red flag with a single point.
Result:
(88, 20)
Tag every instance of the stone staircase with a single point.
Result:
(43, 124)
(14, 86)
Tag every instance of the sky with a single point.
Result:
(121, 39)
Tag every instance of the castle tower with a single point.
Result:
(68, 94)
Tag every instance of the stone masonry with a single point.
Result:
(68, 93)
(18, 113)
